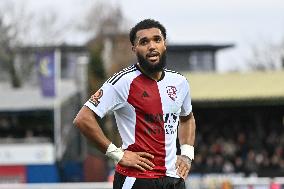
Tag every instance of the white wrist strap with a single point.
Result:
(114, 153)
(187, 150)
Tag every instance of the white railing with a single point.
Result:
(232, 181)
(75, 185)
(201, 183)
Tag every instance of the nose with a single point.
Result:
(152, 45)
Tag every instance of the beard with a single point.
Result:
(152, 67)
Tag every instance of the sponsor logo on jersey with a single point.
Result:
(172, 92)
(96, 97)
(169, 121)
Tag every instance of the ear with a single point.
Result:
(133, 48)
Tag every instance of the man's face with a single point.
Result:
(150, 48)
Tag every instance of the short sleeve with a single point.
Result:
(104, 100)
(186, 107)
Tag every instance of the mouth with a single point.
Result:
(153, 56)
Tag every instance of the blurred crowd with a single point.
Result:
(222, 146)
(240, 149)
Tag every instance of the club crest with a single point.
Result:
(96, 97)
(172, 92)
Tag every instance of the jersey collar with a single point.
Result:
(161, 78)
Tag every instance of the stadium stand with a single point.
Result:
(239, 117)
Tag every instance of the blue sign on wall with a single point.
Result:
(47, 76)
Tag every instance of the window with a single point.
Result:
(201, 61)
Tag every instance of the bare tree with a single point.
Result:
(21, 27)
(48, 29)
(14, 24)
(266, 55)
(104, 18)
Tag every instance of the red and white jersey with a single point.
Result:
(147, 115)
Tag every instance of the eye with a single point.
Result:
(157, 39)
(143, 42)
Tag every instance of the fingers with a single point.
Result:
(178, 162)
(185, 175)
(145, 165)
(138, 160)
(145, 154)
(144, 162)
(139, 167)
(183, 167)
(147, 162)
(183, 172)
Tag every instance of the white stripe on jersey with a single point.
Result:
(121, 73)
(128, 183)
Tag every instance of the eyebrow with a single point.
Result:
(143, 38)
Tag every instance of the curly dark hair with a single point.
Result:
(146, 24)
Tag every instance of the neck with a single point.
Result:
(155, 76)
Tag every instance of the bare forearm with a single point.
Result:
(186, 139)
(89, 127)
(187, 130)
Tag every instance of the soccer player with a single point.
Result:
(152, 105)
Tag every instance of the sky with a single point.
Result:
(244, 23)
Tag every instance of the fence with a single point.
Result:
(208, 182)
(95, 185)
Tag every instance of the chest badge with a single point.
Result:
(172, 92)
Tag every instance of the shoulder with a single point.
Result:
(176, 79)
(175, 75)
(123, 76)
